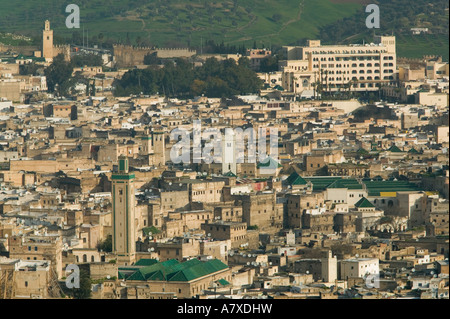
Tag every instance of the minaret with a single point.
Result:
(159, 148)
(47, 41)
(124, 232)
(229, 153)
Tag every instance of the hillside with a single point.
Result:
(181, 23)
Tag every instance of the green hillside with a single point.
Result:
(172, 22)
(181, 23)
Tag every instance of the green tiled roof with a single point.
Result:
(172, 270)
(321, 183)
(223, 282)
(346, 183)
(229, 174)
(395, 149)
(413, 150)
(364, 203)
(146, 262)
(269, 162)
(295, 179)
(375, 187)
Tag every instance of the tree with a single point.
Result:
(84, 292)
(106, 245)
(59, 76)
(269, 64)
(81, 60)
(151, 59)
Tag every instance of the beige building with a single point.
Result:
(20, 279)
(356, 67)
(234, 231)
(33, 248)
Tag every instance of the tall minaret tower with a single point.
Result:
(159, 147)
(229, 153)
(47, 41)
(124, 230)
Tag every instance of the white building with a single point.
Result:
(359, 267)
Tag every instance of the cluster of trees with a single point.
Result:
(59, 73)
(181, 79)
(81, 60)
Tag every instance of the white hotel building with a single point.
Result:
(356, 67)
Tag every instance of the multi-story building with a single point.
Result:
(359, 267)
(356, 67)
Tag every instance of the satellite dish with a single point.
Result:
(108, 277)
(248, 263)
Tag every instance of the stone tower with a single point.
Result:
(47, 41)
(159, 148)
(124, 230)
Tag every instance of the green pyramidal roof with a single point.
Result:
(364, 203)
(229, 174)
(295, 179)
(269, 162)
(395, 149)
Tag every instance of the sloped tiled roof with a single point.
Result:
(364, 203)
(395, 149)
(269, 162)
(295, 179)
(172, 270)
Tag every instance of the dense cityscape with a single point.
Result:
(317, 172)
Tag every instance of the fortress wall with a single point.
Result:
(129, 56)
